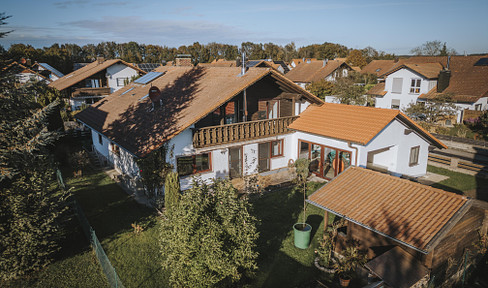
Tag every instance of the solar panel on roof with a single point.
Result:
(482, 62)
(252, 63)
(52, 69)
(148, 77)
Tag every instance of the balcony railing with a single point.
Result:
(81, 92)
(231, 133)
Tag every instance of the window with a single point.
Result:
(414, 155)
(235, 162)
(100, 140)
(121, 82)
(276, 148)
(187, 165)
(397, 85)
(415, 86)
(264, 157)
(115, 149)
(477, 107)
(395, 104)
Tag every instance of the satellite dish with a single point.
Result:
(154, 94)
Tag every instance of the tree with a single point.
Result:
(32, 209)
(208, 240)
(433, 48)
(441, 107)
(350, 93)
(321, 88)
(302, 171)
(356, 58)
(4, 17)
(171, 190)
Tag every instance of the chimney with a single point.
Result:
(443, 80)
(325, 62)
(183, 60)
(448, 62)
(28, 62)
(100, 60)
(243, 66)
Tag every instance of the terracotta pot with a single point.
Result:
(344, 282)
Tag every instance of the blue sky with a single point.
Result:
(392, 26)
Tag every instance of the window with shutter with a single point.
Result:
(397, 85)
(395, 103)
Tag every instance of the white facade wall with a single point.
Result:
(405, 96)
(119, 70)
(103, 147)
(394, 137)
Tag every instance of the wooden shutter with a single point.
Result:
(286, 108)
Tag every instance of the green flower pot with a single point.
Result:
(302, 235)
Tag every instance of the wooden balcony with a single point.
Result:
(84, 92)
(232, 133)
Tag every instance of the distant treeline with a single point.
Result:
(63, 56)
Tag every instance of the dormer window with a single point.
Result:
(415, 86)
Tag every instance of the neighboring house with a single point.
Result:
(279, 66)
(311, 71)
(378, 67)
(466, 81)
(220, 63)
(219, 121)
(23, 74)
(464, 78)
(47, 71)
(336, 136)
(95, 81)
(411, 231)
(405, 83)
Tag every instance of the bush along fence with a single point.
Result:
(107, 268)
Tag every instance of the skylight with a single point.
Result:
(148, 77)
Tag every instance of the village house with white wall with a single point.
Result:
(420, 79)
(230, 122)
(315, 70)
(95, 81)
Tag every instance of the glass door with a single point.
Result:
(264, 154)
(235, 162)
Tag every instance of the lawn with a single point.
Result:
(135, 256)
(463, 184)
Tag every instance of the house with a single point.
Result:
(411, 231)
(336, 136)
(466, 81)
(218, 121)
(95, 81)
(311, 71)
(378, 67)
(47, 71)
(24, 74)
(464, 78)
(220, 63)
(279, 66)
(405, 83)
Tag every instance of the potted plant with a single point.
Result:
(325, 260)
(302, 231)
(346, 265)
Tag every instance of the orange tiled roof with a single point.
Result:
(188, 95)
(378, 89)
(378, 67)
(468, 83)
(401, 209)
(314, 71)
(87, 71)
(428, 70)
(358, 124)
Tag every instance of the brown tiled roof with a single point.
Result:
(314, 71)
(378, 67)
(468, 83)
(87, 71)
(219, 63)
(188, 95)
(300, 60)
(358, 124)
(409, 212)
(378, 89)
(428, 70)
